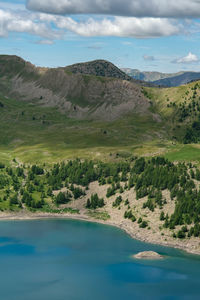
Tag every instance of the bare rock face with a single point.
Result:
(94, 90)
(148, 255)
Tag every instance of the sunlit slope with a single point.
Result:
(178, 107)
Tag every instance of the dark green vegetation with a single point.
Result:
(159, 174)
(100, 68)
(118, 201)
(95, 202)
(36, 187)
(43, 188)
(129, 215)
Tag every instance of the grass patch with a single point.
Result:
(184, 153)
(35, 134)
(99, 215)
(47, 209)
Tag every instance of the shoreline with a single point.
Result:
(81, 217)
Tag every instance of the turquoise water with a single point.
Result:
(66, 259)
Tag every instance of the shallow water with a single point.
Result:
(67, 259)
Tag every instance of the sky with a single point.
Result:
(153, 35)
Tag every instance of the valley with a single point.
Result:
(87, 142)
(69, 115)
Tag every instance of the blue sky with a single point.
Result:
(136, 35)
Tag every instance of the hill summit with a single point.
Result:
(98, 68)
(91, 90)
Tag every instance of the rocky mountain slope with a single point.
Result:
(108, 96)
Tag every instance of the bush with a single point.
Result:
(144, 224)
(95, 202)
(37, 170)
(77, 192)
(133, 219)
(62, 198)
(181, 234)
(162, 216)
(117, 202)
(110, 191)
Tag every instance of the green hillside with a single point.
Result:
(49, 115)
(179, 107)
(33, 133)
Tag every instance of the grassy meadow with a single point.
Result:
(32, 133)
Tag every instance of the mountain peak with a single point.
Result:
(98, 67)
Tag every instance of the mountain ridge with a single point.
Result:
(78, 94)
(98, 67)
(163, 79)
(178, 80)
(148, 76)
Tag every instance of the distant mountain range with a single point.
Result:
(163, 79)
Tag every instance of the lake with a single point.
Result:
(60, 259)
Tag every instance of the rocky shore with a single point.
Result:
(147, 236)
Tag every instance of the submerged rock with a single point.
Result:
(148, 255)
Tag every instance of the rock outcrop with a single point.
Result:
(148, 255)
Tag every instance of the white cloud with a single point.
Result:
(117, 26)
(148, 58)
(25, 22)
(50, 27)
(131, 8)
(190, 58)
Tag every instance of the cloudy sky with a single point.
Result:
(160, 35)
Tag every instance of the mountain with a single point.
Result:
(178, 80)
(163, 79)
(94, 90)
(148, 76)
(47, 113)
(103, 68)
(98, 68)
